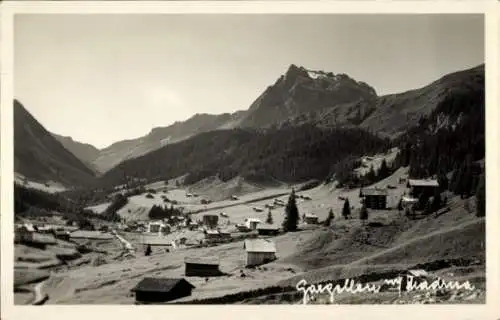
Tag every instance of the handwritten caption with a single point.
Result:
(351, 286)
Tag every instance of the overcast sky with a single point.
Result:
(105, 78)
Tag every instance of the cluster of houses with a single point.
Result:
(29, 233)
(259, 251)
(376, 198)
(159, 290)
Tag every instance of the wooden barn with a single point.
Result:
(414, 277)
(252, 223)
(311, 219)
(158, 227)
(212, 234)
(202, 267)
(210, 220)
(155, 290)
(259, 251)
(24, 233)
(374, 198)
(422, 187)
(268, 230)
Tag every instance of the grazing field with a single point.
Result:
(50, 186)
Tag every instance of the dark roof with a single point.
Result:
(210, 215)
(268, 227)
(373, 192)
(204, 260)
(159, 284)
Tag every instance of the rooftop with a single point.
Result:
(259, 245)
(268, 227)
(418, 273)
(159, 284)
(310, 215)
(409, 199)
(423, 183)
(203, 260)
(373, 192)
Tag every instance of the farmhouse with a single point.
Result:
(311, 219)
(408, 202)
(24, 233)
(374, 198)
(192, 226)
(62, 235)
(212, 235)
(157, 241)
(242, 228)
(224, 234)
(210, 220)
(151, 290)
(413, 277)
(268, 230)
(422, 187)
(251, 223)
(202, 267)
(158, 227)
(259, 251)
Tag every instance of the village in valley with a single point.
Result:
(214, 250)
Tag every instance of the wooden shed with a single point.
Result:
(311, 219)
(24, 233)
(252, 223)
(374, 198)
(268, 230)
(202, 267)
(210, 220)
(259, 251)
(154, 290)
(426, 187)
(413, 277)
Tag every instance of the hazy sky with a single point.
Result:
(104, 78)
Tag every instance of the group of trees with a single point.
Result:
(345, 175)
(158, 212)
(374, 175)
(111, 212)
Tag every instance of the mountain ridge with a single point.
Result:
(299, 96)
(53, 161)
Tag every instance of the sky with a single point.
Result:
(105, 78)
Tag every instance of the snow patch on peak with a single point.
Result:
(314, 74)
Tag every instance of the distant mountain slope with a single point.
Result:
(159, 137)
(87, 153)
(40, 157)
(394, 114)
(303, 96)
(292, 154)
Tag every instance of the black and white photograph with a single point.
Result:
(249, 159)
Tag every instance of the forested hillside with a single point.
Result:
(290, 154)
